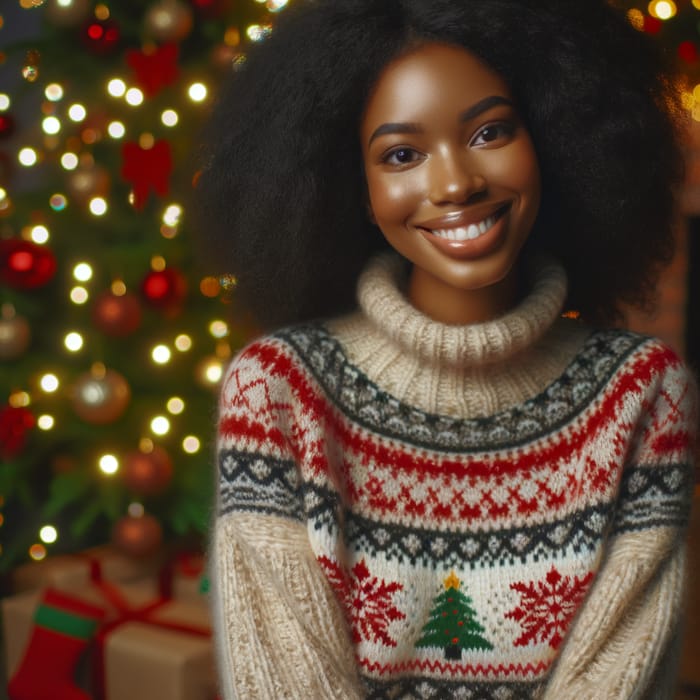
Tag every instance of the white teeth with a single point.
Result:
(468, 233)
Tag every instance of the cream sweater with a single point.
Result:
(413, 510)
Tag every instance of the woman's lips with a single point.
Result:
(462, 240)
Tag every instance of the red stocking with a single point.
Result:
(63, 626)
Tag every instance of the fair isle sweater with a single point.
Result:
(413, 510)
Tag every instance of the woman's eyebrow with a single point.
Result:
(395, 128)
(484, 105)
(413, 128)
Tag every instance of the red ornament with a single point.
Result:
(147, 169)
(101, 36)
(164, 289)
(25, 265)
(137, 536)
(156, 69)
(688, 51)
(117, 316)
(147, 473)
(15, 423)
(652, 25)
(7, 125)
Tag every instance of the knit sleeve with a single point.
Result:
(622, 643)
(279, 630)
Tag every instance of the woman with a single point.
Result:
(450, 490)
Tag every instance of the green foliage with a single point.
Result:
(54, 477)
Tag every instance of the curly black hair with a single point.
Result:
(281, 193)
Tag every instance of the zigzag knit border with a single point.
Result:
(366, 404)
(648, 498)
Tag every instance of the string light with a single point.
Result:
(116, 87)
(49, 383)
(662, 9)
(169, 117)
(160, 425)
(183, 342)
(51, 125)
(39, 234)
(172, 214)
(116, 130)
(69, 161)
(73, 341)
(77, 112)
(161, 354)
(175, 405)
(45, 421)
(213, 371)
(191, 444)
(4, 102)
(258, 32)
(134, 97)
(108, 464)
(58, 202)
(27, 157)
(53, 92)
(98, 206)
(275, 5)
(79, 295)
(197, 92)
(218, 329)
(37, 552)
(48, 534)
(82, 272)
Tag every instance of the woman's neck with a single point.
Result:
(451, 305)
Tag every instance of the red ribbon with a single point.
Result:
(127, 613)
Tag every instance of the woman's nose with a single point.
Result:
(454, 177)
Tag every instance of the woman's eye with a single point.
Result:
(493, 132)
(400, 156)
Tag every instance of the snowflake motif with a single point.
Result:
(367, 600)
(547, 607)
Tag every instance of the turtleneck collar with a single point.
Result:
(491, 342)
(465, 371)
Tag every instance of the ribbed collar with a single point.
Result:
(381, 299)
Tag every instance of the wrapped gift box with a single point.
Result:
(142, 659)
(70, 572)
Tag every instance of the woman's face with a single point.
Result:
(452, 175)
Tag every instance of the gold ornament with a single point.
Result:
(14, 337)
(100, 396)
(86, 182)
(168, 20)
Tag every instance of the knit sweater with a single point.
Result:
(413, 510)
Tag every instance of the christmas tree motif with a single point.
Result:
(547, 607)
(452, 624)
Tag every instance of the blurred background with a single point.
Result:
(112, 337)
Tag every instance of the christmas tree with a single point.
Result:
(452, 624)
(112, 337)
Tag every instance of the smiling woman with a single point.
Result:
(452, 179)
(433, 483)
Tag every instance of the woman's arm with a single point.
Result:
(621, 645)
(280, 632)
(627, 624)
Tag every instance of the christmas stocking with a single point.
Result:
(63, 627)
